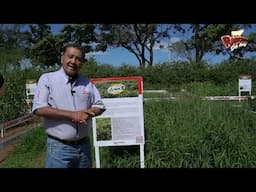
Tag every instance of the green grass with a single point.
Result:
(28, 151)
(187, 133)
(192, 134)
(210, 89)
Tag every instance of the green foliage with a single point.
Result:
(12, 37)
(9, 58)
(229, 71)
(103, 129)
(93, 70)
(82, 34)
(138, 39)
(211, 89)
(252, 104)
(191, 134)
(205, 39)
(39, 32)
(127, 70)
(13, 102)
(27, 149)
(187, 133)
(46, 52)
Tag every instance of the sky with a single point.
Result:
(119, 56)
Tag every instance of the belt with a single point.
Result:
(76, 142)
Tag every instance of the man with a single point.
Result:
(1, 84)
(67, 101)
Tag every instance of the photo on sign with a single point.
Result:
(103, 129)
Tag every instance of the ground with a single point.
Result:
(7, 143)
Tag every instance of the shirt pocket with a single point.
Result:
(83, 98)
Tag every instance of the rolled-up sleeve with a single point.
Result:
(41, 93)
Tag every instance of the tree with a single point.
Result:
(206, 38)
(13, 43)
(251, 46)
(83, 34)
(138, 39)
(47, 46)
(46, 52)
(39, 32)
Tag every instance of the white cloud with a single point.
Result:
(174, 39)
(163, 45)
(93, 53)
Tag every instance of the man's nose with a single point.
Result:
(73, 60)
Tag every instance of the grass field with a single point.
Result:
(182, 133)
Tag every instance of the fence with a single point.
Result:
(15, 122)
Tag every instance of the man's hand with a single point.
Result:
(90, 113)
(80, 117)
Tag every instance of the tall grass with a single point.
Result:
(211, 89)
(28, 151)
(192, 134)
(186, 133)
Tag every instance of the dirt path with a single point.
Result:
(7, 143)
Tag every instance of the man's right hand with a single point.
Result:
(80, 117)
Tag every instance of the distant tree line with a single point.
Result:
(42, 46)
(39, 44)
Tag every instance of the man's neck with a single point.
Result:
(72, 79)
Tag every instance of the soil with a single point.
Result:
(8, 142)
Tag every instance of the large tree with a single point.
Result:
(206, 38)
(39, 32)
(13, 43)
(138, 39)
(46, 47)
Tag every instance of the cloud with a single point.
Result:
(163, 45)
(93, 53)
(174, 39)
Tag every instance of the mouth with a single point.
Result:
(72, 67)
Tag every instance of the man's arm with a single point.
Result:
(53, 113)
(94, 111)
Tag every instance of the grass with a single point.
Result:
(192, 134)
(28, 151)
(187, 133)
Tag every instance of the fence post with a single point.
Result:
(2, 130)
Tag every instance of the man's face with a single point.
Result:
(72, 61)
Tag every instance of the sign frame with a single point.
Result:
(124, 117)
(245, 84)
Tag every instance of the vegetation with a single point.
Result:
(190, 134)
(42, 46)
(186, 132)
(29, 151)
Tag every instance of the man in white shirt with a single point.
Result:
(67, 101)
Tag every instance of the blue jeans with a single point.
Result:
(59, 155)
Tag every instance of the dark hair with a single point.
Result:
(1, 80)
(74, 45)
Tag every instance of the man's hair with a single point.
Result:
(74, 45)
(1, 80)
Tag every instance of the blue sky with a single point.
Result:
(119, 56)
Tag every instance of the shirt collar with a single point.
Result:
(66, 77)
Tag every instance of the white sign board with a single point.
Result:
(245, 84)
(30, 91)
(30, 88)
(123, 121)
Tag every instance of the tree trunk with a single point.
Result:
(197, 43)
